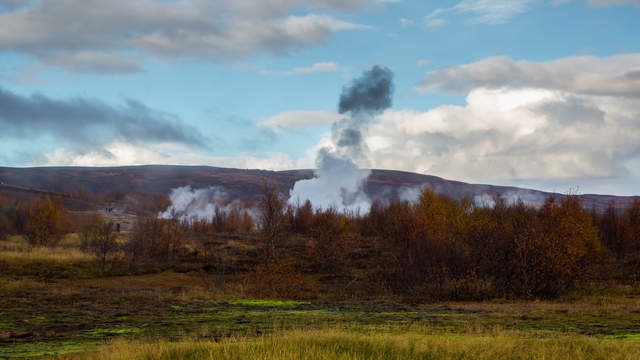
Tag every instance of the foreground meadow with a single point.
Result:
(170, 315)
(166, 289)
(390, 344)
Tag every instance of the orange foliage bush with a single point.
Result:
(45, 222)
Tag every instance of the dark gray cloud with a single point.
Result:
(366, 96)
(88, 123)
(371, 93)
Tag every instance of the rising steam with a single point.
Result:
(338, 180)
(196, 204)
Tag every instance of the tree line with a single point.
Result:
(436, 247)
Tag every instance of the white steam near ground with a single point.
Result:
(482, 200)
(188, 204)
(339, 180)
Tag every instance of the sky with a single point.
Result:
(542, 94)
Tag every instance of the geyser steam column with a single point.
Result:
(338, 179)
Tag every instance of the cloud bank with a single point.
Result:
(572, 118)
(111, 36)
(566, 121)
(86, 124)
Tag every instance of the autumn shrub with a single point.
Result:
(280, 277)
(6, 227)
(100, 239)
(303, 218)
(328, 229)
(45, 221)
(526, 252)
(155, 239)
(631, 231)
(503, 239)
(425, 241)
(272, 223)
(568, 249)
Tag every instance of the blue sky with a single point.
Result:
(537, 93)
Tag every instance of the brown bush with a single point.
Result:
(45, 222)
(100, 239)
(271, 218)
(328, 228)
(6, 227)
(280, 278)
(155, 239)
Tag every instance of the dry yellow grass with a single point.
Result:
(159, 281)
(16, 249)
(603, 304)
(340, 344)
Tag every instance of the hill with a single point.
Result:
(247, 184)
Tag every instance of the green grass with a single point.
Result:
(267, 303)
(41, 348)
(38, 318)
(341, 344)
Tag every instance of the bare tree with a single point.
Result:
(100, 238)
(271, 216)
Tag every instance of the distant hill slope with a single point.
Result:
(23, 194)
(247, 184)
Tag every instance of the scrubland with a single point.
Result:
(435, 280)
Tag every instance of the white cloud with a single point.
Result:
(424, 62)
(574, 119)
(318, 67)
(299, 119)
(434, 23)
(407, 22)
(481, 11)
(613, 2)
(611, 76)
(122, 154)
(511, 134)
(493, 11)
(98, 35)
(90, 62)
(601, 3)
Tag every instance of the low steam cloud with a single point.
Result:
(338, 179)
(190, 204)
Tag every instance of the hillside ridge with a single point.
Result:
(246, 184)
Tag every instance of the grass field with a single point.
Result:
(414, 344)
(78, 316)
(55, 302)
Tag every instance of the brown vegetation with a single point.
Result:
(435, 248)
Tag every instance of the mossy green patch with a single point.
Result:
(39, 349)
(113, 332)
(635, 337)
(267, 303)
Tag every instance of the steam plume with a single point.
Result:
(338, 179)
(189, 204)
